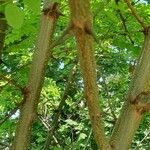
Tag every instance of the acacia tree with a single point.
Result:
(80, 26)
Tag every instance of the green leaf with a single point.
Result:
(82, 136)
(71, 122)
(33, 5)
(14, 15)
(111, 16)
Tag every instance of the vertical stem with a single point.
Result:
(36, 78)
(137, 101)
(82, 25)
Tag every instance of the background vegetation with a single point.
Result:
(62, 110)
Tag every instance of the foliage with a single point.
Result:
(116, 52)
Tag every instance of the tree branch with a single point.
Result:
(59, 110)
(46, 125)
(134, 13)
(137, 102)
(109, 103)
(12, 82)
(81, 18)
(124, 23)
(12, 112)
(62, 37)
(33, 87)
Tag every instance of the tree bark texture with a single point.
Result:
(81, 23)
(137, 103)
(36, 78)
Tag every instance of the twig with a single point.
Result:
(46, 125)
(134, 13)
(143, 139)
(109, 104)
(87, 141)
(59, 110)
(56, 141)
(61, 39)
(12, 112)
(12, 82)
(124, 23)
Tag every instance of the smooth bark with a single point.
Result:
(137, 103)
(36, 78)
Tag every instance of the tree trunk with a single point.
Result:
(137, 103)
(81, 22)
(36, 78)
